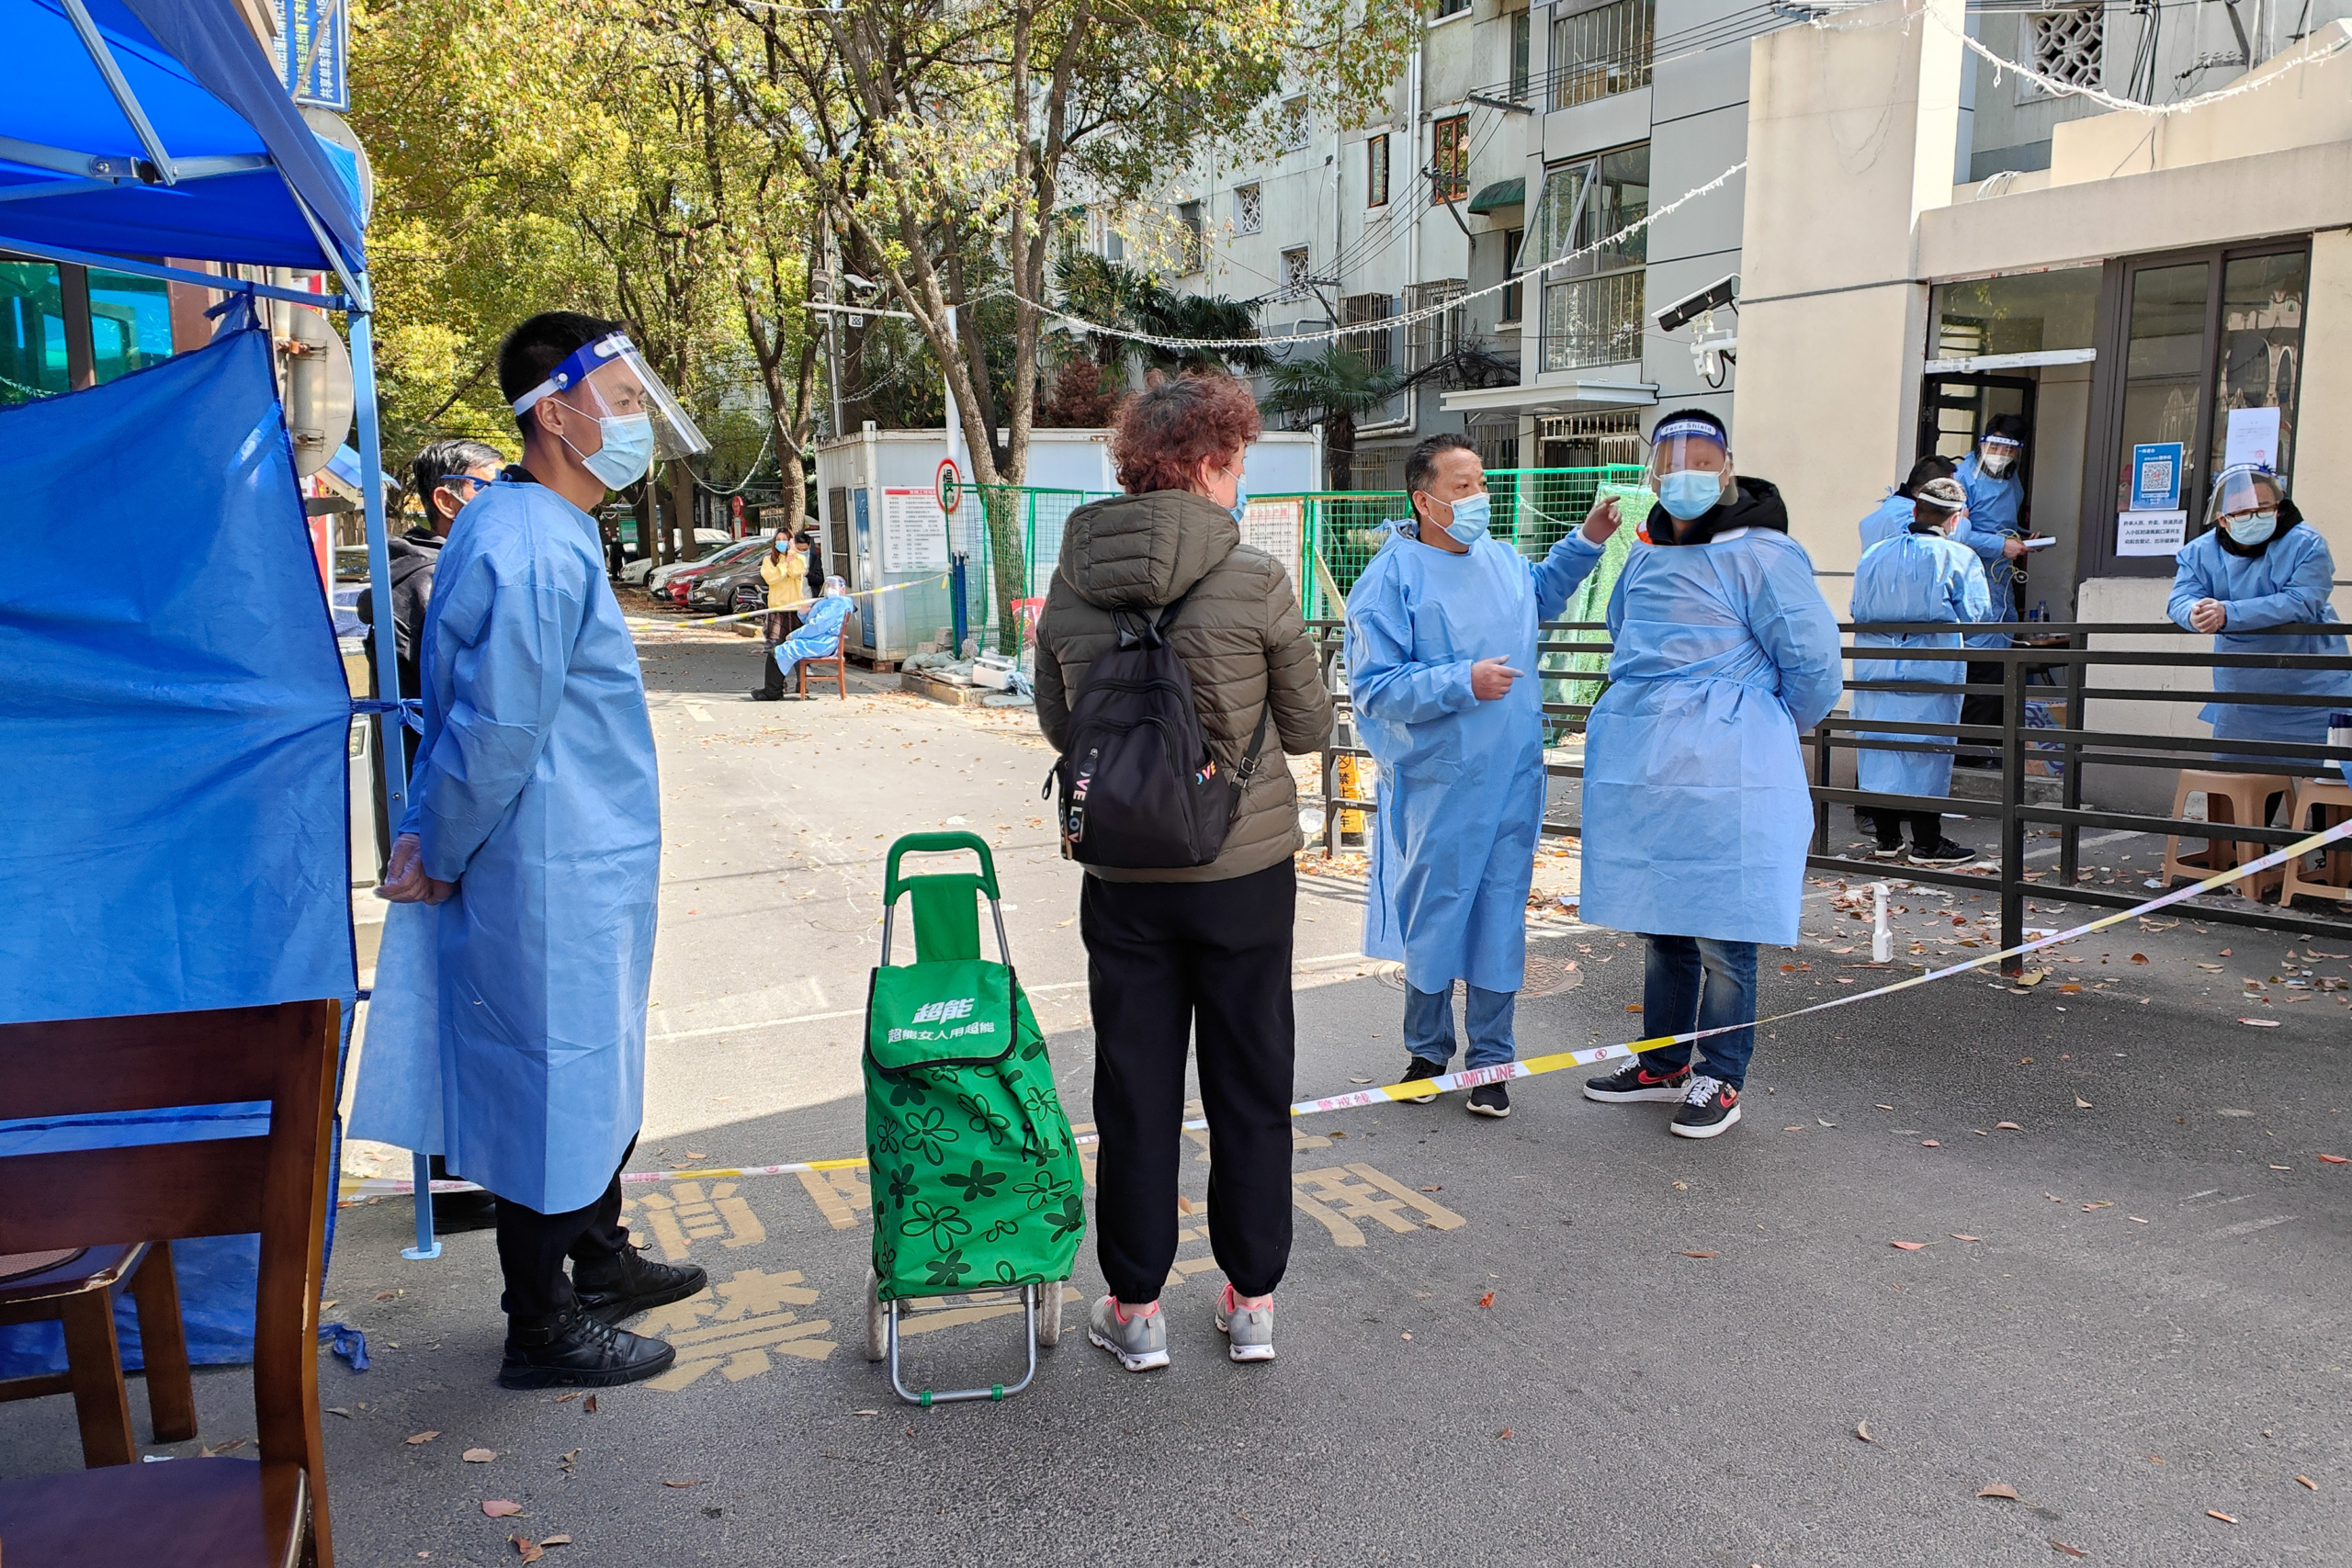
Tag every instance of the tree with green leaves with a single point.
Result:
(1336, 387)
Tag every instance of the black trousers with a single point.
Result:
(1984, 709)
(1926, 827)
(1210, 961)
(532, 1247)
(781, 625)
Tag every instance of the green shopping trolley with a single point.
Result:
(975, 1176)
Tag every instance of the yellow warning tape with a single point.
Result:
(359, 1190)
(649, 623)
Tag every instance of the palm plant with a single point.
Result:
(1337, 387)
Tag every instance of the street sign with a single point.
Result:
(313, 49)
(947, 486)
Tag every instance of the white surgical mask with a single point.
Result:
(1994, 461)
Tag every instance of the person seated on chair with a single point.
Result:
(788, 569)
(819, 637)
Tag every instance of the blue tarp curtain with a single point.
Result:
(177, 721)
(211, 90)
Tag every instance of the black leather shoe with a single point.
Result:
(636, 1286)
(577, 1351)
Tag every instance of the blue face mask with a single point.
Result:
(1471, 516)
(626, 453)
(2252, 528)
(1240, 499)
(1688, 493)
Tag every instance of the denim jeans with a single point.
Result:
(1429, 1025)
(1674, 1003)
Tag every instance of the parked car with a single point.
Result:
(641, 566)
(676, 582)
(737, 589)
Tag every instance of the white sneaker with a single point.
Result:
(1248, 1331)
(1138, 1339)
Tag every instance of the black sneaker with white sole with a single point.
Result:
(1888, 851)
(1490, 1099)
(1943, 853)
(1416, 1069)
(1709, 1106)
(1638, 1080)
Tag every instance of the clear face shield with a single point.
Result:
(2245, 503)
(1689, 468)
(609, 381)
(1996, 455)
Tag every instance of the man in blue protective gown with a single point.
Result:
(1989, 478)
(534, 826)
(2259, 564)
(1891, 518)
(1923, 574)
(1696, 809)
(1442, 673)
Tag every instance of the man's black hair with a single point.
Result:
(535, 348)
(442, 458)
(1421, 466)
(2009, 425)
(1722, 432)
(1928, 467)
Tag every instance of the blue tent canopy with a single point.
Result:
(191, 148)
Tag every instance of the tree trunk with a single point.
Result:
(681, 509)
(1340, 451)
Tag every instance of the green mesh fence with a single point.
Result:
(1022, 539)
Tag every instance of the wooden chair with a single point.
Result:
(192, 1513)
(838, 659)
(77, 1287)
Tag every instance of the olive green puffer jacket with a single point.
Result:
(1238, 634)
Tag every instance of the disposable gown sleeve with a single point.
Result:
(1562, 571)
(1985, 542)
(1384, 680)
(2303, 590)
(2188, 585)
(1796, 628)
(1970, 600)
(507, 629)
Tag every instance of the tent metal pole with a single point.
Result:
(219, 283)
(125, 99)
(391, 752)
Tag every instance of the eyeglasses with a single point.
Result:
(452, 481)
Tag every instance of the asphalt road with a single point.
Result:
(1566, 1337)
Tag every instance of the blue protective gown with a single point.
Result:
(1696, 810)
(1461, 791)
(2286, 583)
(818, 634)
(1913, 577)
(1994, 507)
(1889, 518)
(536, 792)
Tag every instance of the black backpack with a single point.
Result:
(1140, 787)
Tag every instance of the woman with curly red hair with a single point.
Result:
(1198, 953)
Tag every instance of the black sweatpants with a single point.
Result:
(532, 1247)
(1210, 960)
(1926, 827)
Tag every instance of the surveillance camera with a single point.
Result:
(858, 282)
(1683, 311)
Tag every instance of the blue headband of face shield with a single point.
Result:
(1698, 427)
(577, 366)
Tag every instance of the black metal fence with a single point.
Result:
(2050, 664)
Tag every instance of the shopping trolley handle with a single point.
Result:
(938, 843)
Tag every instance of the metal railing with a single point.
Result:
(1592, 321)
(2056, 661)
(1600, 52)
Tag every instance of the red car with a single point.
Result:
(680, 584)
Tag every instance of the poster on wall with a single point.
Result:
(914, 532)
(2253, 438)
(1274, 527)
(2151, 533)
(2155, 475)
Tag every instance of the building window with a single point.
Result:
(1375, 170)
(32, 333)
(1293, 124)
(1296, 273)
(1191, 245)
(1600, 52)
(1514, 292)
(2068, 46)
(1363, 311)
(1592, 269)
(1522, 40)
(1249, 209)
(1451, 9)
(130, 322)
(1431, 338)
(1450, 158)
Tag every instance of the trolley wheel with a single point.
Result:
(877, 1331)
(1049, 1313)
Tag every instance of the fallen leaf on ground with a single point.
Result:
(2260, 1022)
(2061, 1546)
(478, 1456)
(1886, 1108)
(2006, 1127)
(589, 1405)
(2139, 958)
(2033, 976)
(1183, 1204)
(2307, 1480)
(1359, 1080)
(1697, 1255)
(556, 1540)
(1862, 1430)
(1405, 1336)
(696, 1153)
(1958, 1237)
(525, 1548)
(1685, 1187)
(1504, 1433)
(499, 1507)
(567, 1398)
(1930, 1143)
(339, 1410)
(2216, 1514)
(422, 1437)
(1999, 1489)
(1633, 1007)
(1438, 1188)
(1907, 1246)
(2069, 989)
(1488, 1300)
(2336, 1159)
(677, 1483)
(2081, 1104)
